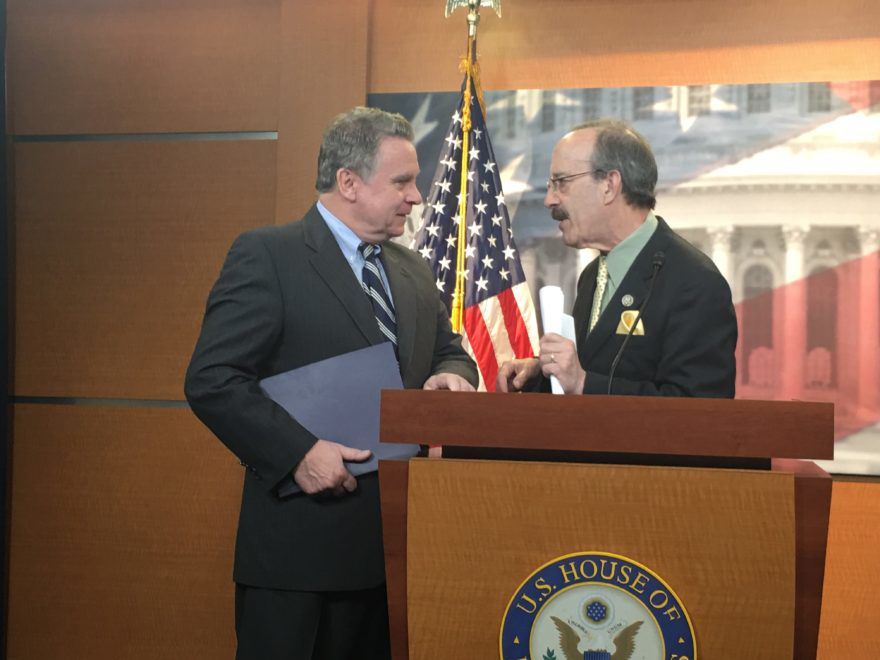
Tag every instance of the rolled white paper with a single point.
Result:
(552, 302)
(567, 329)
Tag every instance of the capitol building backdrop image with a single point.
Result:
(778, 183)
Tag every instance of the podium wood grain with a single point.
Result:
(678, 426)
(723, 540)
(850, 617)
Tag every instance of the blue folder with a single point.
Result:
(338, 399)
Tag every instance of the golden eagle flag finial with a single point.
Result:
(452, 5)
(473, 17)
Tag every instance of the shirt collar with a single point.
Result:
(621, 258)
(348, 241)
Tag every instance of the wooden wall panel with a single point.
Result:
(850, 602)
(122, 529)
(137, 66)
(116, 247)
(323, 72)
(609, 43)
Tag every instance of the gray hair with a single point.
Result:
(619, 147)
(352, 141)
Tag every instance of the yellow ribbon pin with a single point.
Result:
(626, 321)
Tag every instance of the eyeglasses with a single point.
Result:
(554, 181)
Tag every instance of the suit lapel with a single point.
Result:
(583, 305)
(584, 299)
(330, 264)
(606, 324)
(403, 293)
(635, 283)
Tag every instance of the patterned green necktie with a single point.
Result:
(601, 282)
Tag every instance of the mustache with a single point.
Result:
(558, 214)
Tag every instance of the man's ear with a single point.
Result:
(612, 186)
(347, 183)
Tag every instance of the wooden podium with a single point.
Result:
(711, 494)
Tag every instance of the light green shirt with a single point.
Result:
(621, 258)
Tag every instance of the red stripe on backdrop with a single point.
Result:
(816, 339)
(517, 332)
(859, 96)
(481, 344)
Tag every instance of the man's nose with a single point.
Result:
(414, 197)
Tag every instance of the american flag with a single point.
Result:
(498, 321)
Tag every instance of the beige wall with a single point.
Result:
(123, 506)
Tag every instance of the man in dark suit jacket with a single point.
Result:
(601, 191)
(309, 568)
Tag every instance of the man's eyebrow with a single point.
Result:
(402, 178)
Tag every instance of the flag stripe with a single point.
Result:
(513, 321)
(494, 319)
(481, 344)
(527, 311)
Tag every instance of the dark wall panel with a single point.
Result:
(122, 532)
(116, 247)
(324, 72)
(139, 66)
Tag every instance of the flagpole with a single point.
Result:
(468, 241)
(473, 20)
(458, 293)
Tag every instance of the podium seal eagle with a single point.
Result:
(595, 606)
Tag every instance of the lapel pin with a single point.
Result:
(627, 300)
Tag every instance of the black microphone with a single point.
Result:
(656, 264)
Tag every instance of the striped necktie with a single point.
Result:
(601, 283)
(371, 281)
